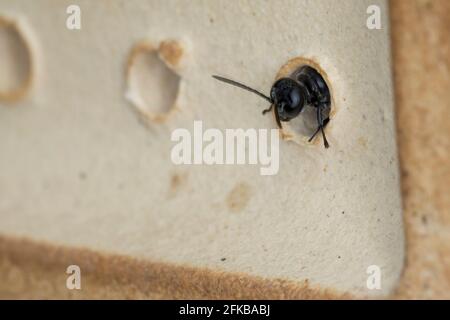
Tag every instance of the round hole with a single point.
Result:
(301, 128)
(152, 84)
(15, 62)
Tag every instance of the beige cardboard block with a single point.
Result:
(86, 147)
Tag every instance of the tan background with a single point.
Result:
(421, 43)
(420, 32)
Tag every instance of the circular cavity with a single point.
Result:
(15, 62)
(152, 84)
(301, 128)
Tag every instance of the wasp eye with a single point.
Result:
(295, 98)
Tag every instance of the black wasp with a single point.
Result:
(290, 95)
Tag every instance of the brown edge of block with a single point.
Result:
(31, 269)
(420, 47)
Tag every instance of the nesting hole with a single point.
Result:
(15, 62)
(301, 128)
(153, 85)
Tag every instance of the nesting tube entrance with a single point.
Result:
(301, 128)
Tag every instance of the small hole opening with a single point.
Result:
(15, 62)
(152, 85)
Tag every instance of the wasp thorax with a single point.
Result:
(289, 98)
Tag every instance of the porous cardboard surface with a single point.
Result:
(124, 202)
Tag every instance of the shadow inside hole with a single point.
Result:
(306, 123)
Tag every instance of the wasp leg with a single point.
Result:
(267, 110)
(325, 122)
(321, 125)
(277, 118)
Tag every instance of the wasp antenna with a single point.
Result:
(242, 86)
